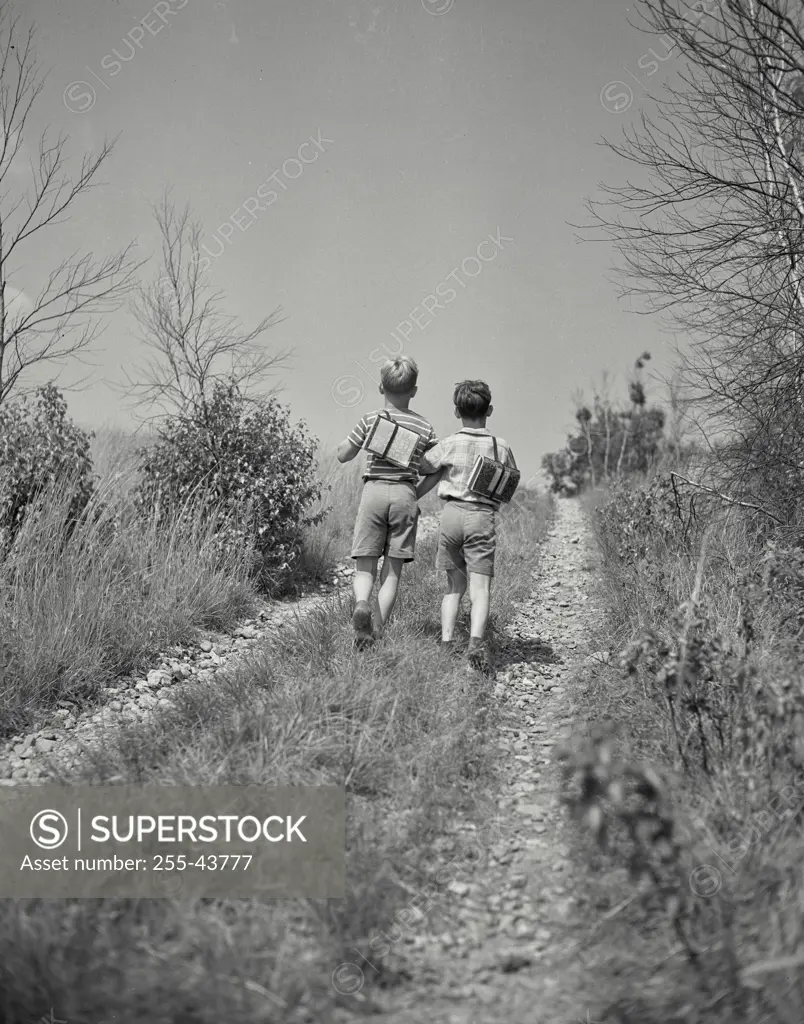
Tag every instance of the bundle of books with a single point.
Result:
(391, 441)
(491, 479)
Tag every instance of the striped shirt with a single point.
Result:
(458, 452)
(380, 469)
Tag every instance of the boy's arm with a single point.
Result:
(427, 483)
(347, 450)
(432, 467)
(351, 445)
(434, 457)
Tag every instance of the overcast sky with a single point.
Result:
(452, 141)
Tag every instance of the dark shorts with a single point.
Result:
(467, 538)
(386, 521)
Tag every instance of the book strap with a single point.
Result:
(393, 432)
(510, 455)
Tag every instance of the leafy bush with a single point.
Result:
(644, 530)
(38, 444)
(246, 458)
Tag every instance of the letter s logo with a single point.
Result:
(616, 97)
(347, 390)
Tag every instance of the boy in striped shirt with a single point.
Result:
(388, 513)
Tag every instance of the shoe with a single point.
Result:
(448, 647)
(478, 656)
(361, 620)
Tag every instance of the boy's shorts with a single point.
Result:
(386, 520)
(467, 538)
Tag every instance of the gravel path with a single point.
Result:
(59, 746)
(501, 944)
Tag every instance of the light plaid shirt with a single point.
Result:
(458, 452)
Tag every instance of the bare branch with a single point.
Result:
(58, 319)
(193, 346)
(725, 497)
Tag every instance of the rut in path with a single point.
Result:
(502, 944)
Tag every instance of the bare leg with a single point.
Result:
(480, 596)
(451, 604)
(389, 587)
(365, 575)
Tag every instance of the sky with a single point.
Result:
(397, 177)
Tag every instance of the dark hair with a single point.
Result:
(472, 398)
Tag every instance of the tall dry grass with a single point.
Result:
(82, 603)
(114, 450)
(330, 541)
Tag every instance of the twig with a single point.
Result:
(725, 497)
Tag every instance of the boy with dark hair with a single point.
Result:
(388, 513)
(467, 530)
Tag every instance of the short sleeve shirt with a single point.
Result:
(458, 453)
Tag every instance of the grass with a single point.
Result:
(114, 453)
(330, 541)
(79, 607)
(400, 727)
(724, 732)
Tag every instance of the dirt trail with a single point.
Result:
(501, 944)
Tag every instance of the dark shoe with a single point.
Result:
(448, 647)
(361, 620)
(478, 656)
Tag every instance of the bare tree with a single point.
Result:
(711, 231)
(61, 318)
(193, 345)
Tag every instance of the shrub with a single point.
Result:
(246, 458)
(635, 519)
(38, 444)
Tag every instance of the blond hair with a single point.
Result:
(399, 375)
